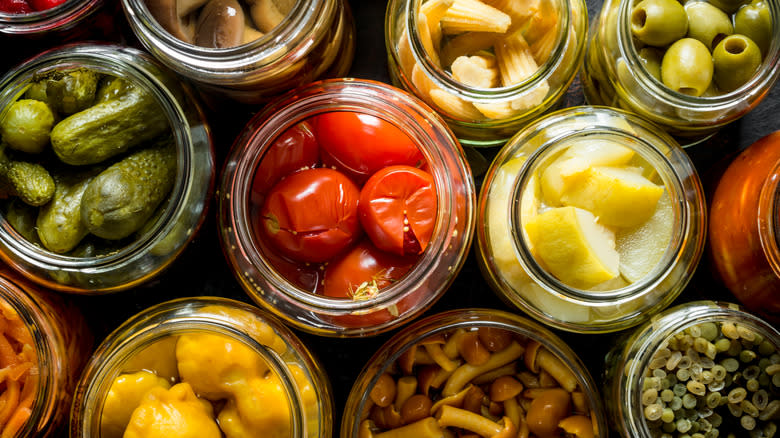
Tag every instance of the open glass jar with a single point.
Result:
(567, 227)
(249, 372)
(504, 374)
(315, 40)
(302, 269)
(617, 73)
(691, 370)
(126, 102)
(744, 227)
(486, 81)
(46, 343)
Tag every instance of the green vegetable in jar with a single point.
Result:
(71, 91)
(112, 87)
(30, 182)
(687, 67)
(108, 128)
(124, 196)
(736, 59)
(658, 22)
(26, 125)
(707, 23)
(59, 223)
(727, 6)
(22, 217)
(755, 22)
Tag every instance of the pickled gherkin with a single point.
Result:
(59, 223)
(26, 126)
(71, 91)
(30, 182)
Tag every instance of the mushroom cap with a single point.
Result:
(220, 24)
(167, 15)
(509, 430)
(504, 388)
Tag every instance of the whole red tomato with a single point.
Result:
(360, 144)
(361, 274)
(398, 209)
(295, 149)
(311, 215)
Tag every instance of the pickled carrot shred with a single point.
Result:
(18, 372)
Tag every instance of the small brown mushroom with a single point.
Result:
(453, 400)
(449, 416)
(387, 417)
(220, 24)
(404, 389)
(473, 400)
(504, 388)
(267, 14)
(578, 426)
(416, 408)
(433, 346)
(366, 429)
(531, 350)
(166, 12)
(472, 350)
(494, 339)
(406, 359)
(383, 392)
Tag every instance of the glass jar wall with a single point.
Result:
(619, 73)
(312, 40)
(488, 80)
(744, 227)
(557, 243)
(120, 111)
(181, 366)
(287, 260)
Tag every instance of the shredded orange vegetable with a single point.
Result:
(18, 372)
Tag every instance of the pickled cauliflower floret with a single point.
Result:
(250, 324)
(258, 408)
(173, 413)
(159, 357)
(123, 397)
(215, 365)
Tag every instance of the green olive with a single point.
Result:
(727, 6)
(651, 59)
(736, 60)
(755, 22)
(707, 23)
(658, 22)
(687, 67)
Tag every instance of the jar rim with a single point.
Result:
(47, 20)
(768, 218)
(397, 108)
(764, 79)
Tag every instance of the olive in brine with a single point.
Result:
(707, 23)
(687, 67)
(736, 59)
(755, 22)
(658, 22)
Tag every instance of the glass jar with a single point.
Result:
(404, 298)
(171, 341)
(316, 40)
(143, 255)
(516, 348)
(481, 115)
(60, 342)
(646, 277)
(629, 361)
(615, 75)
(744, 227)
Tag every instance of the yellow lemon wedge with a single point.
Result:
(617, 196)
(573, 246)
(642, 247)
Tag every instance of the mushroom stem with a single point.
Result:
(557, 369)
(451, 346)
(405, 388)
(425, 428)
(506, 370)
(465, 373)
(513, 410)
(450, 416)
(438, 355)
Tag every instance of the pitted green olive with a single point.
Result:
(651, 59)
(736, 60)
(728, 6)
(687, 67)
(755, 22)
(707, 23)
(658, 22)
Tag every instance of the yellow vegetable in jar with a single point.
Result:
(159, 358)
(123, 397)
(259, 408)
(173, 413)
(252, 325)
(215, 365)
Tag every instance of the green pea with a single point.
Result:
(709, 25)
(687, 67)
(658, 22)
(755, 22)
(736, 59)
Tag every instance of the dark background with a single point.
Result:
(202, 269)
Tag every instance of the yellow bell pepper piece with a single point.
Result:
(172, 413)
(123, 397)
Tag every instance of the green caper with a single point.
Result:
(687, 67)
(707, 24)
(658, 22)
(755, 22)
(736, 59)
(26, 125)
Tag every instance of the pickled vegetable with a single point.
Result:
(26, 126)
(19, 369)
(30, 182)
(59, 223)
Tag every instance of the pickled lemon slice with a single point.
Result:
(573, 246)
(642, 247)
(619, 197)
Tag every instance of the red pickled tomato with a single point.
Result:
(295, 149)
(362, 273)
(311, 215)
(15, 7)
(398, 209)
(361, 144)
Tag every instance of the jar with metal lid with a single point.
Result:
(488, 68)
(205, 365)
(621, 71)
(45, 345)
(314, 39)
(129, 126)
(314, 260)
(489, 372)
(691, 370)
(590, 220)
(744, 225)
